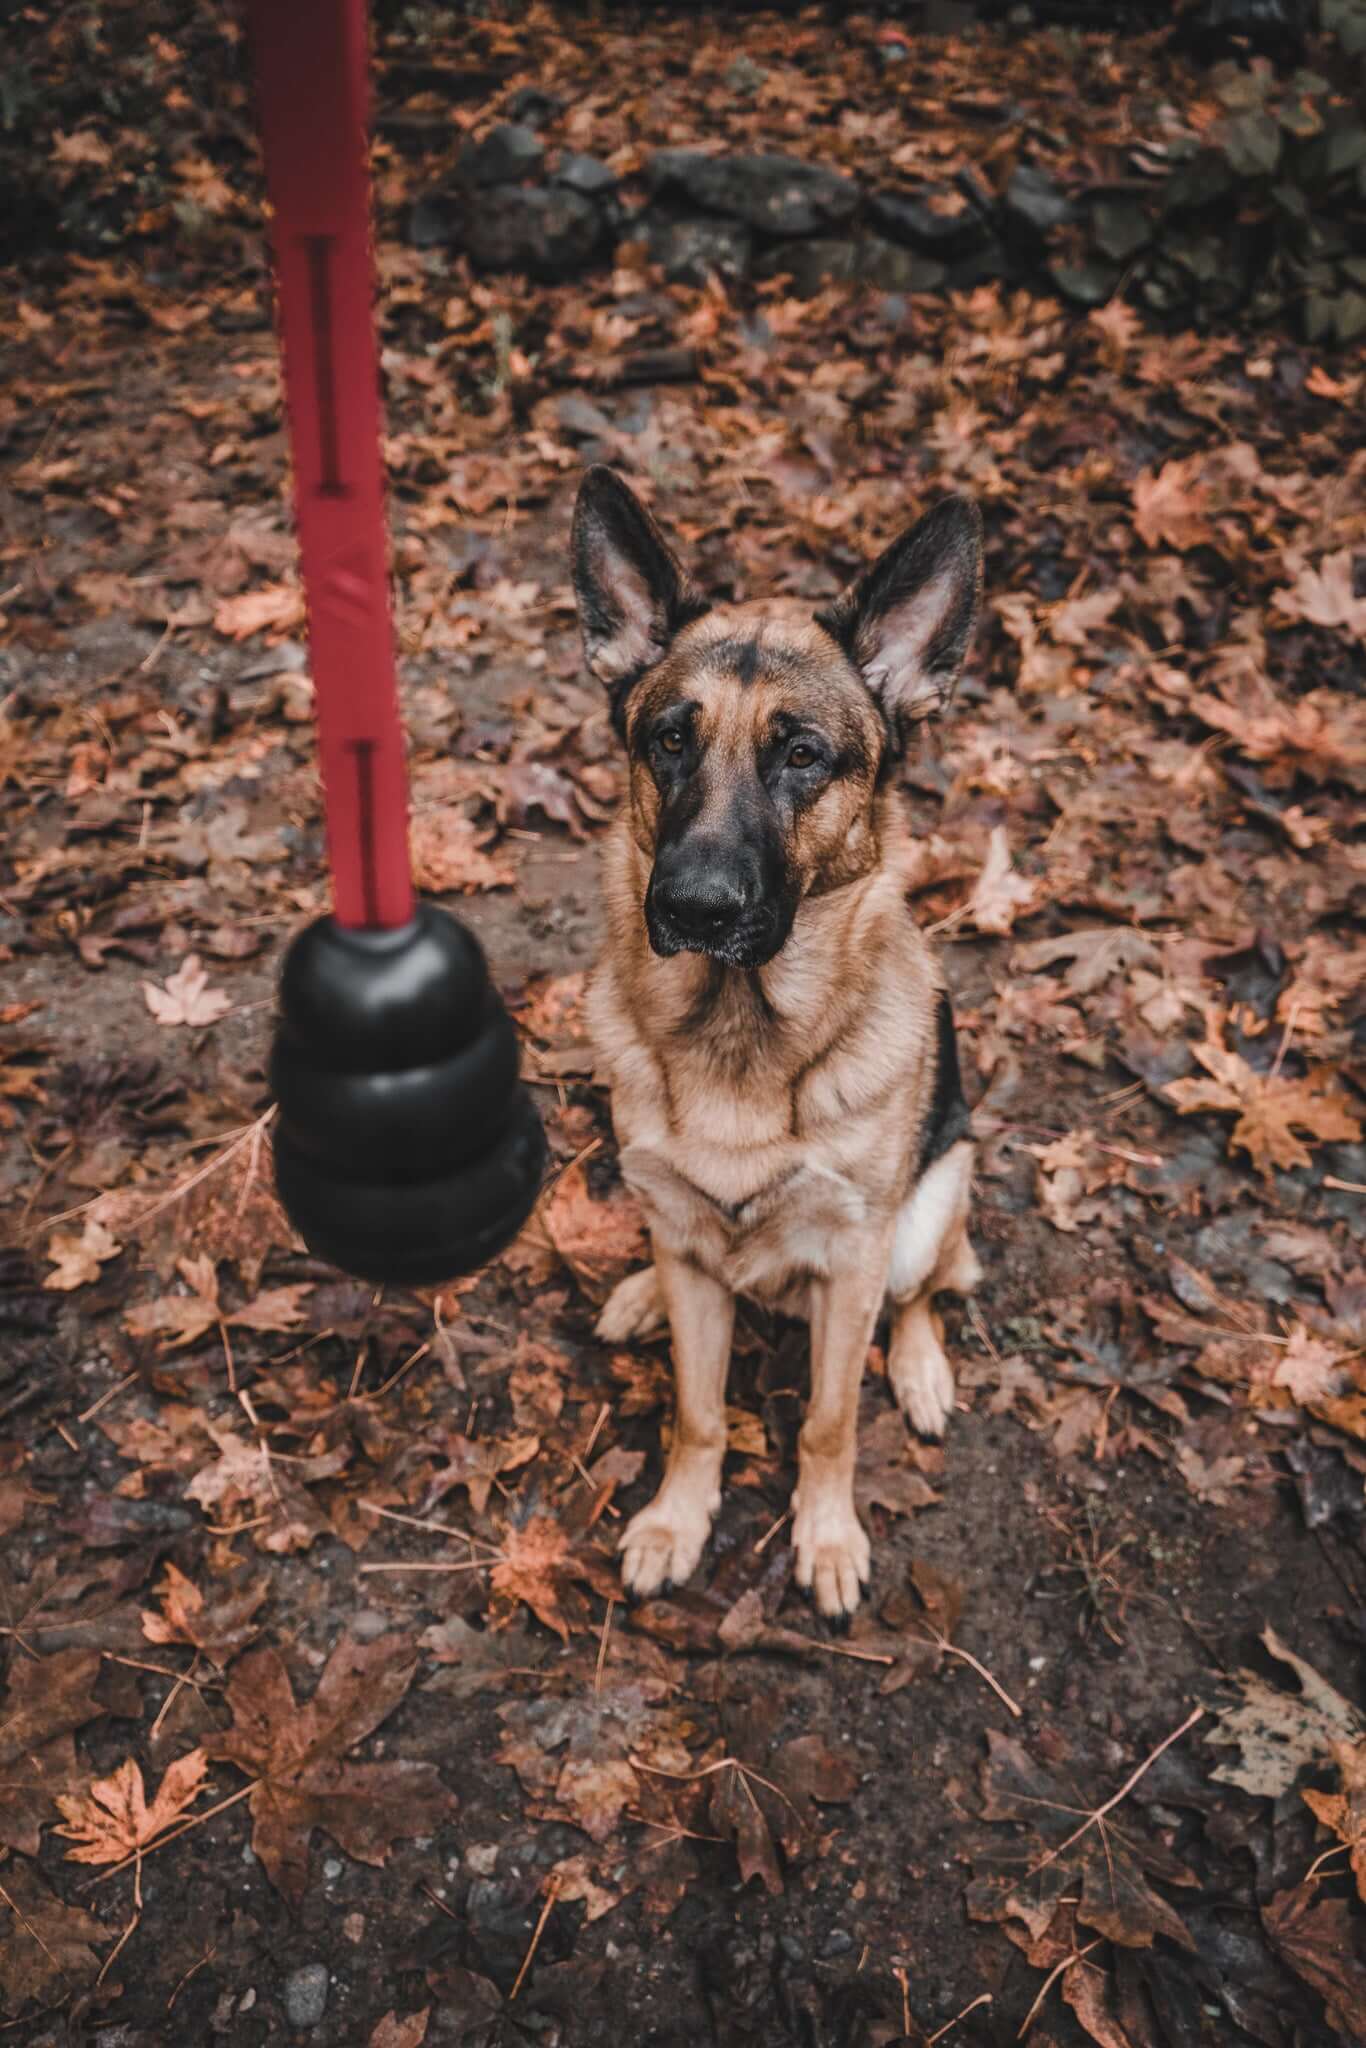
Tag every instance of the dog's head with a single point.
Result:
(759, 734)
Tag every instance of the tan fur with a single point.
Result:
(770, 1119)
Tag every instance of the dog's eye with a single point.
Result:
(671, 742)
(801, 756)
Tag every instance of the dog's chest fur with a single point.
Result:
(765, 1117)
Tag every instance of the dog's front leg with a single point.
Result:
(664, 1542)
(832, 1548)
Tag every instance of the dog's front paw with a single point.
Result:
(634, 1308)
(834, 1557)
(663, 1545)
(921, 1376)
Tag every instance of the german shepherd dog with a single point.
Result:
(775, 1033)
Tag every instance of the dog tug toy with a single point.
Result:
(406, 1148)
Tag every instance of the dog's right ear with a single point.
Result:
(632, 594)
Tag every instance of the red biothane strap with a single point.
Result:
(311, 60)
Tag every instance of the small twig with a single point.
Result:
(552, 1893)
(475, 1564)
(187, 1678)
(982, 1998)
(602, 1647)
(194, 1968)
(762, 1545)
(1344, 1187)
(408, 1363)
(952, 1650)
(1049, 1981)
(1196, 1714)
(110, 1394)
(137, 1664)
(436, 1528)
(108, 1962)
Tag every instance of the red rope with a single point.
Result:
(311, 69)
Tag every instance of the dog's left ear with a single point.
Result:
(905, 622)
(632, 593)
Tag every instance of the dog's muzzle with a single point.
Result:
(720, 910)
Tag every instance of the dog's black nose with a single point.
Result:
(703, 904)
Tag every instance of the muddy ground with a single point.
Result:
(592, 1824)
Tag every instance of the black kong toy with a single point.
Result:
(406, 1148)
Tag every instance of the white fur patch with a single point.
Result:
(937, 1204)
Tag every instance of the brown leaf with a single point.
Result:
(77, 1257)
(1319, 1939)
(220, 1629)
(1084, 1989)
(46, 1948)
(887, 1472)
(1169, 507)
(48, 1697)
(477, 1659)
(447, 855)
(593, 1238)
(274, 605)
(298, 1754)
(1325, 597)
(1000, 895)
(1270, 1108)
(475, 1465)
(1345, 1812)
(186, 997)
(111, 1819)
(392, 2032)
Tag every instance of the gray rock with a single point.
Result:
(1034, 199)
(813, 265)
(945, 230)
(690, 251)
(306, 1994)
(508, 153)
(550, 233)
(775, 195)
(586, 174)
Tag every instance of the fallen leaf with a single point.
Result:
(48, 1698)
(1277, 1733)
(476, 1465)
(186, 997)
(392, 2032)
(593, 1238)
(77, 1258)
(1344, 1812)
(1170, 506)
(1308, 1369)
(298, 1754)
(111, 1819)
(1270, 1108)
(448, 855)
(47, 1949)
(1325, 597)
(1319, 1939)
(1095, 953)
(220, 1628)
(274, 605)
(1000, 895)
(887, 1473)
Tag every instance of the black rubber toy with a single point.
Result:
(406, 1148)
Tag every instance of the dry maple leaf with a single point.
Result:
(220, 1629)
(245, 1481)
(277, 605)
(1344, 1812)
(1000, 895)
(298, 1755)
(889, 1471)
(111, 1819)
(1270, 1108)
(476, 1465)
(593, 1238)
(1316, 1936)
(1105, 1875)
(1276, 1732)
(48, 1698)
(1095, 954)
(77, 1259)
(184, 1318)
(1169, 507)
(540, 1562)
(186, 997)
(393, 2032)
(1325, 597)
(1308, 1369)
(448, 855)
(46, 1948)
